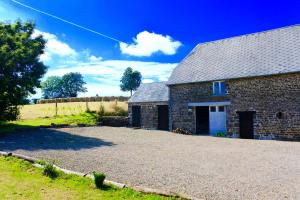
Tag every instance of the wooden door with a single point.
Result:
(136, 116)
(246, 124)
(163, 117)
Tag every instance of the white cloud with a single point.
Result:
(54, 47)
(146, 44)
(147, 80)
(103, 77)
(95, 59)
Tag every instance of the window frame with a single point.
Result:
(213, 108)
(220, 93)
(223, 110)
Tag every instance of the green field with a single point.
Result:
(83, 118)
(20, 180)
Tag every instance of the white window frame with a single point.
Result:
(220, 90)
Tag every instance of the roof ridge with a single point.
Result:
(245, 35)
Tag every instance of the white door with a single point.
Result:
(217, 119)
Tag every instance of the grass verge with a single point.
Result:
(20, 180)
(84, 118)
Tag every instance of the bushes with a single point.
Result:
(99, 179)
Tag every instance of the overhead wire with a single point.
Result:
(68, 22)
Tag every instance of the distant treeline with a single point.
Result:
(83, 99)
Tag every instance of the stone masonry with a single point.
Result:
(275, 99)
(149, 113)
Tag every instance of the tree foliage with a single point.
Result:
(52, 87)
(130, 80)
(63, 87)
(72, 84)
(20, 68)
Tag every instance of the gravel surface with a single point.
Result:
(201, 166)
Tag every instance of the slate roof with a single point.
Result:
(265, 53)
(150, 92)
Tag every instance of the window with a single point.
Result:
(213, 109)
(221, 108)
(219, 88)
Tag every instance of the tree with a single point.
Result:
(52, 87)
(72, 84)
(130, 80)
(20, 67)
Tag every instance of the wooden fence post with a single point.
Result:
(86, 104)
(55, 106)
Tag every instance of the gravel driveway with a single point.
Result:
(201, 166)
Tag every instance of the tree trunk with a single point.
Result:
(130, 92)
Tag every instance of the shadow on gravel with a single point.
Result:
(48, 139)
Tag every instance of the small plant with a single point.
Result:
(101, 111)
(220, 134)
(182, 131)
(50, 171)
(99, 179)
(41, 162)
(117, 110)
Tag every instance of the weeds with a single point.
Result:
(99, 179)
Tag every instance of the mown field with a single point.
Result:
(64, 109)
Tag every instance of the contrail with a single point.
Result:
(68, 22)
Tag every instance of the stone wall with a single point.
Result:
(181, 95)
(149, 113)
(267, 96)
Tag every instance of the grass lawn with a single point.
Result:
(20, 180)
(84, 118)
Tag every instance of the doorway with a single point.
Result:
(246, 124)
(202, 120)
(163, 117)
(136, 116)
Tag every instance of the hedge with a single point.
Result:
(83, 99)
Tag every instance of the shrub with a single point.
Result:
(101, 111)
(220, 134)
(99, 179)
(117, 110)
(50, 171)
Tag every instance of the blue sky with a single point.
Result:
(156, 35)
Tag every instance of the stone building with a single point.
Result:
(246, 86)
(148, 107)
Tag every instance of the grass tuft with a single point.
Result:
(50, 171)
(99, 179)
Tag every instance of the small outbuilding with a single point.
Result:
(148, 107)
